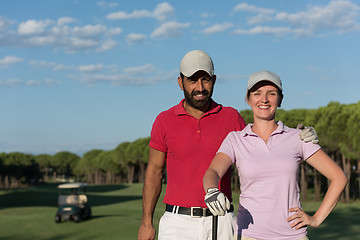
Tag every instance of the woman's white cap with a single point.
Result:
(264, 76)
(194, 61)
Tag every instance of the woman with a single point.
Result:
(267, 155)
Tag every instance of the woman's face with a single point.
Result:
(264, 99)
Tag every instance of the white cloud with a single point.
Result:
(146, 74)
(65, 20)
(45, 82)
(251, 8)
(278, 31)
(33, 27)
(4, 23)
(123, 79)
(114, 31)
(40, 40)
(207, 15)
(88, 30)
(145, 69)
(53, 65)
(10, 82)
(135, 38)
(6, 61)
(123, 15)
(91, 68)
(57, 34)
(106, 5)
(107, 45)
(217, 28)
(161, 12)
(32, 82)
(169, 30)
(338, 15)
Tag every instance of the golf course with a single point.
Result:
(28, 213)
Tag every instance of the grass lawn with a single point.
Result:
(28, 213)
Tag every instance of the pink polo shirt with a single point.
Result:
(190, 144)
(269, 175)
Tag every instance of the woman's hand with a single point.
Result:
(301, 219)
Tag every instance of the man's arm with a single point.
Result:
(307, 134)
(151, 193)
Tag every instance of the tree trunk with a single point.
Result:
(14, 182)
(108, 178)
(98, 177)
(131, 173)
(46, 174)
(358, 175)
(141, 172)
(347, 171)
(6, 181)
(304, 181)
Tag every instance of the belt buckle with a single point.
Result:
(192, 212)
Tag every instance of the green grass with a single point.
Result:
(28, 213)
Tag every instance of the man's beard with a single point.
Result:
(198, 104)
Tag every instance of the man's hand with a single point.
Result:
(217, 202)
(307, 134)
(146, 232)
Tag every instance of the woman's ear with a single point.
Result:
(280, 100)
(247, 100)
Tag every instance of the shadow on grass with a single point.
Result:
(46, 196)
(341, 222)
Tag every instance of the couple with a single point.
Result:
(199, 139)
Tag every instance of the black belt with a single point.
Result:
(193, 211)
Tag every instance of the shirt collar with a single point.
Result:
(280, 129)
(180, 110)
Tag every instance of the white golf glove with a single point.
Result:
(217, 202)
(307, 134)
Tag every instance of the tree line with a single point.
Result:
(337, 126)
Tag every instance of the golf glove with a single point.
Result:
(307, 134)
(217, 202)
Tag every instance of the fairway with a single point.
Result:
(29, 213)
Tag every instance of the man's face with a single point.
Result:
(198, 90)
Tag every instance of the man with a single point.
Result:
(186, 138)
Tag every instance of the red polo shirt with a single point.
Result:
(190, 145)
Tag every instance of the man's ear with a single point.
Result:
(214, 79)
(180, 82)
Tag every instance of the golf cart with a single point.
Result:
(72, 202)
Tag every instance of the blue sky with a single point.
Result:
(77, 75)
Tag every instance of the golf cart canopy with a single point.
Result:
(72, 185)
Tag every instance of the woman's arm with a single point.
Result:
(327, 167)
(218, 167)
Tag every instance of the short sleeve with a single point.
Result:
(308, 149)
(157, 139)
(227, 146)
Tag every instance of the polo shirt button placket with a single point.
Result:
(198, 131)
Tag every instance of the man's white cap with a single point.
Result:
(194, 61)
(264, 76)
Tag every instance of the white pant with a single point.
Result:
(183, 227)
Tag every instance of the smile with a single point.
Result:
(264, 107)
